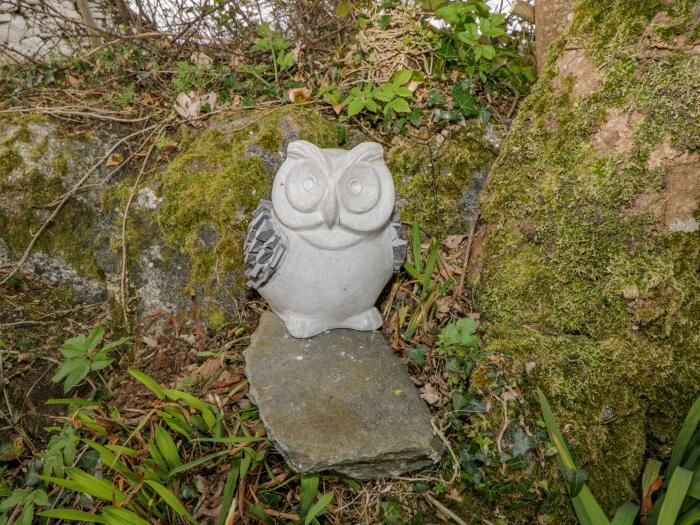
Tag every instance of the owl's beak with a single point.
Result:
(329, 208)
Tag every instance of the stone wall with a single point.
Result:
(34, 29)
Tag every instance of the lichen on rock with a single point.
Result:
(591, 247)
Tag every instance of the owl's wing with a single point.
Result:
(264, 247)
(398, 245)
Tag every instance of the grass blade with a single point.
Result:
(198, 461)
(167, 447)
(117, 516)
(72, 515)
(308, 491)
(677, 490)
(318, 507)
(586, 506)
(694, 488)
(415, 248)
(691, 517)
(148, 382)
(229, 491)
(683, 439)
(625, 515)
(171, 500)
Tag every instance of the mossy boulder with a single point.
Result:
(588, 257)
(439, 185)
(40, 161)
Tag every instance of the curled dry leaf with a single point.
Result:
(114, 160)
(295, 94)
(188, 106)
(430, 395)
(201, 58)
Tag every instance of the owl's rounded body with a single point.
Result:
(326, 245)
(317, 289)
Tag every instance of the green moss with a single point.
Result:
(216, 319)
(29, 193)
(10, 160)
(433, 185)
(604, 301)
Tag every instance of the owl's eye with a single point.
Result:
(359, 188)
(305, 187)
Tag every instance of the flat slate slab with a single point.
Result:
(339, 401)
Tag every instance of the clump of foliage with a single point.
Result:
(671, 499)
(83, 356)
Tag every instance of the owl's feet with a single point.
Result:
(303, 326)
(368, 320)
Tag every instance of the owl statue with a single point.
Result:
(322, 250)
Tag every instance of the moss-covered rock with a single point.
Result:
(440, 185)
(590, 261)
(39, 162)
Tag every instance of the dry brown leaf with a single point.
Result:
(201, 58)
(299, 93)
(430, 395)
(188, 106)
(74, 81)
(114, 160)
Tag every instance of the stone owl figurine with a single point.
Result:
(324, 248)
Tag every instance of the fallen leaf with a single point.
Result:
(114, 160)
(201, 58)
(413, 85)
(296, 93)
(74, 81)
(430, 395)
(188, 106)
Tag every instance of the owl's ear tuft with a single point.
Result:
(367, 152)
(301, 149)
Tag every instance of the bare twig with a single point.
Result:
(442, 508)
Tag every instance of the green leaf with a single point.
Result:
(112, 461)
(74, 347)
(404, 92)
(416, 247)
(431, 263)
(79, 371)
(72, 515)
(318, 508)
(355, 107)
(417, 354)
(64, 369)
(675, 495)
(148, 382)
(308, 491)
(625, 515)
(197, 462)
(371, 105)
(385, 93)
(171, 500)
(94, 337)
(651, 473)
(167, 447)
(684, 436)
(691, 517)
(401, 77)
(229, 490)
(16, 497)
(100, 363)
(118, 516)
(399, 105)
(115, 344)
(575, 479)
